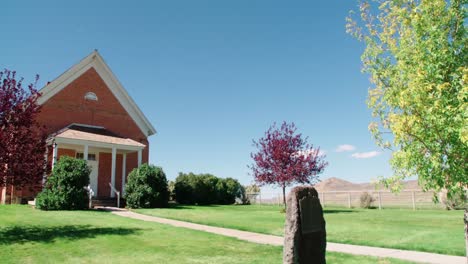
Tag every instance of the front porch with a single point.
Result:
(110, 157)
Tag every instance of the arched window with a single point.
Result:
(91, 96)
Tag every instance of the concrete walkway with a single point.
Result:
(415, 256)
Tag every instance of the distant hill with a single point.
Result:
(337, 184)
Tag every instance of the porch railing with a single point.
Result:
(116, 192)
(90, 195)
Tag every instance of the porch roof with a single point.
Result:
(94, 136)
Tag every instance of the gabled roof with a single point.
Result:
(94, 60)
(94, 135)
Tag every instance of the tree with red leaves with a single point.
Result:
(284, 158)
(22, 140)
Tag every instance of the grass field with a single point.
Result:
(32, 236)
(436, 231)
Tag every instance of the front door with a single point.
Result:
(93, 176)
(94, 164)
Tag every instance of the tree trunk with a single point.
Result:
(466, 232)
(4, 191)
(12, 193)
(284, 196)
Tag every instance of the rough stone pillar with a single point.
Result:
(304, 232)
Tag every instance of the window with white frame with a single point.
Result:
(91, 156)
(90, 96)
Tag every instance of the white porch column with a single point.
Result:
(114, 154)
(46, 154)
(54, 154)
(85, 153)
(139, 157)
(124, 169)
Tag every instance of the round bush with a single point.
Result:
(147, 187)
(184, 188)
(64, 189)
(204, 189)
(233, 190)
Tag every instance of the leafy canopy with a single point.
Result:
(147, 187)
(204, 189)
(22, 141)
(416, 57)
(284, 157)
(64, 189)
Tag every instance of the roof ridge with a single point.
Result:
(95, 60)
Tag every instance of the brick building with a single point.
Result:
(89, 115)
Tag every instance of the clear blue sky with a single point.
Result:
(213, 75)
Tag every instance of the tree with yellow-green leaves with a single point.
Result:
(416, 56)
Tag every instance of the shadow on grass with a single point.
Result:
(178, 206)
(24, 234)
(338, 211)
(188, 206)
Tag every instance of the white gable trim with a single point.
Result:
(94, 60)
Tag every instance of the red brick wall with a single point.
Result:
(65, 152)
(69, 106)
(32, 191)
(132, 162)
(105, 163)
(60, 152)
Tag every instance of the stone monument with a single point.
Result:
(304, 232)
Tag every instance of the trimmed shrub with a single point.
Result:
(147, 187)
(184, 188)
(206, 192)
(64, 189)
(233, 190)
(204, 189)
(366, 200)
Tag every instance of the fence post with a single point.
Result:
(414, 204)
(349, 200)
(380, 202)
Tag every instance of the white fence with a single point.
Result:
(415, 199)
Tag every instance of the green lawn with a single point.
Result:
(32, 236)
(436, 231)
